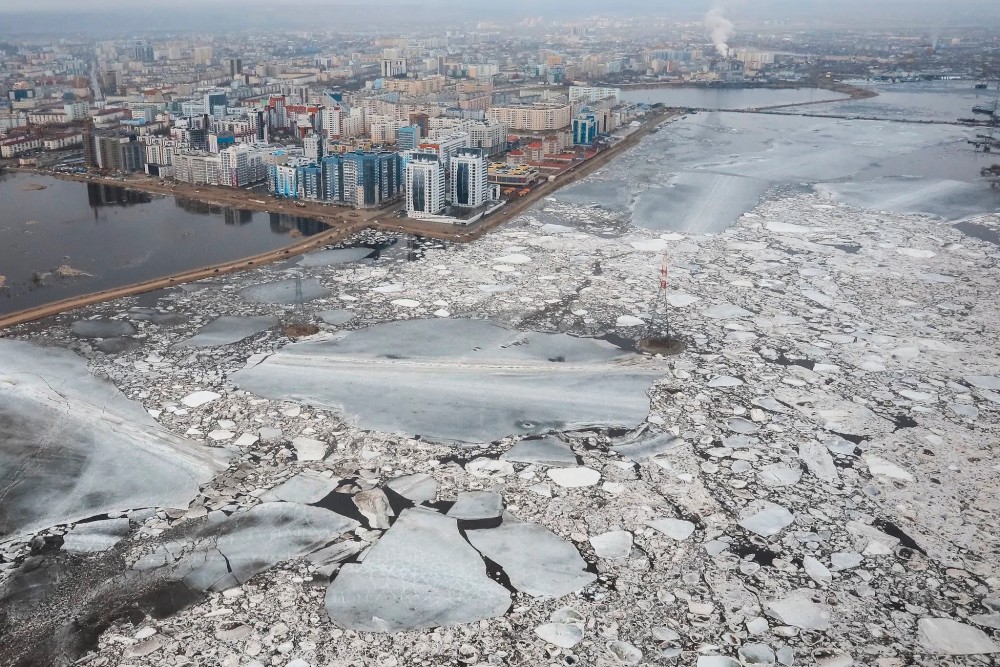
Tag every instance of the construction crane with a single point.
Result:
(988, 140)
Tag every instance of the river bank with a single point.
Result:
(343, 223)
(852, 91)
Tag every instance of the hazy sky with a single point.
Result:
(800, 6)
(93, 16)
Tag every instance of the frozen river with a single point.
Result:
(728, 98)
(701, 172)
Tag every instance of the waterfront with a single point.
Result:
(60, 239)
(729, 98)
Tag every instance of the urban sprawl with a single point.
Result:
(452, 125)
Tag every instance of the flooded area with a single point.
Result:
(729, 98)
(60, 239)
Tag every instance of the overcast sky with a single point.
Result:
(802, 6)
(101, 16)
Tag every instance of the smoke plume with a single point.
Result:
(719, 28)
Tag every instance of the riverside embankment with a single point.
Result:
(342, 223)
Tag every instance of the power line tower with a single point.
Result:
(659, 319)
(299, 300)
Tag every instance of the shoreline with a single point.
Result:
(854, 92)
(346, 222)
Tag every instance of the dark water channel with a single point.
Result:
(60, 239)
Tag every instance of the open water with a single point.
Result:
(105, 237)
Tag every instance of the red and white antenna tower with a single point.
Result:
(659, 321)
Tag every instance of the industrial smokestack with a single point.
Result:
(720, 29)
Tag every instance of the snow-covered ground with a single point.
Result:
(812, 479)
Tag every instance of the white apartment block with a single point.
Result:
(197, 168)
(533, 118)
(491, 137)
(445, 147)
(591, 94)
(425, 187)
(469, 185)
(65, 141)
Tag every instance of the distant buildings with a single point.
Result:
(203, 55)
(511, 176)
(584, 128)
(533, 118)
(118, 154)
(425, 185)
(588, 94)
(490, 136)
(143, 51)
(408, 137)
(358, 179)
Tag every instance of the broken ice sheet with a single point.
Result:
(835, 413)
(647, 446)
(307, 487)
(226, 330)
(880, 467)
(72, 446)
(798, 609)
(477, 505)
(947, 637)
(460, 380)
(546, 450)
(676, 529)
(226, 554)
(95, 535)
(614, 545)
(420, 574)
(101, 328)
(417, 488)
(334, 256)
(778, 474)
(285, 291)
(537, 561)
(770, 520)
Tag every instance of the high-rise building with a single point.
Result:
(469, 186)
(423, 121)
(445, 147)
(215, 99)
(76, 111)
(203, 55)
(408, 137)
(119, 154)
(424, 185)
(234, 166)
(393, 67)
(584, 128)
(533, 118)
(235, 66)
(312, 145)
(143, 51)
(490, 136)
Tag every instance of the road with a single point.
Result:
(343, 222)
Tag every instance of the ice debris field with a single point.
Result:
(470, 464)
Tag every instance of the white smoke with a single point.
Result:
(720, 29)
